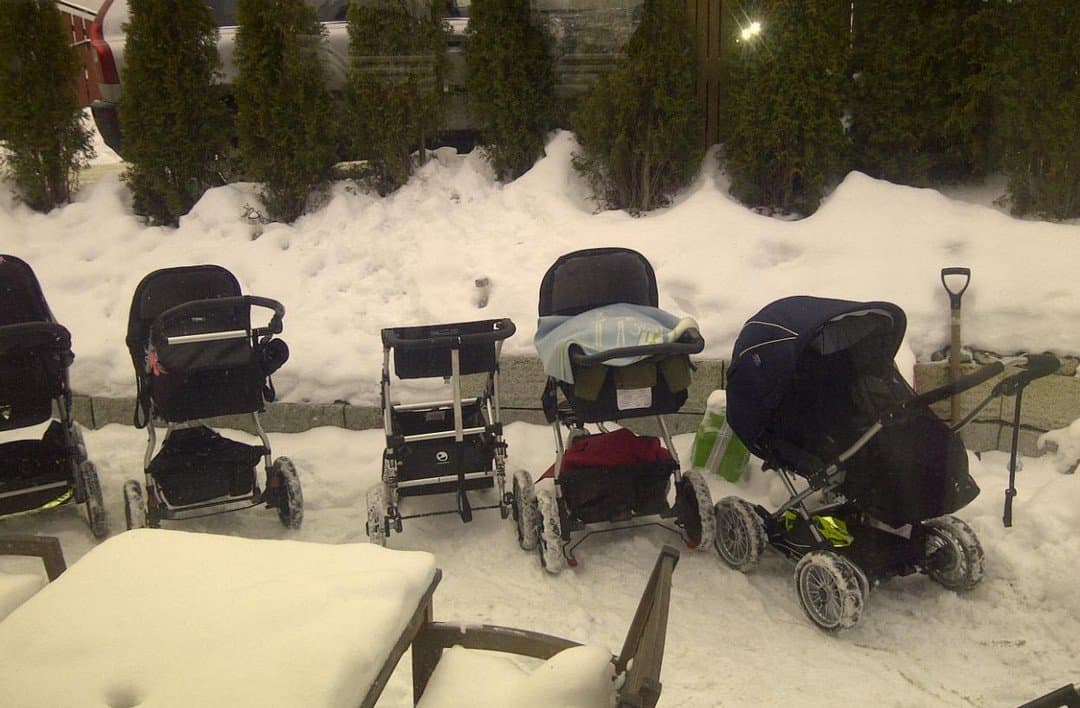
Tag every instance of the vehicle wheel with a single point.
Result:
(740, 533)
(290, 495)
(377, 526)
(134, 505)
(525, 510)
(95, 505)
(694, 511)
(954, 556)
(829, 590)
(551, 545)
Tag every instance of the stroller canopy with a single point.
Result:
(772, 342)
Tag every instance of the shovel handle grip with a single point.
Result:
(955, 295)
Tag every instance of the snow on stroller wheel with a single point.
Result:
(954, 556)
(290, 495)
(95, 504)
(551, 545)
(694, 511)
(525, 510)
(740, 533)
(378, 526)
(134, 505)
(830, 591)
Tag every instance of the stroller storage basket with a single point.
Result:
(197, 464)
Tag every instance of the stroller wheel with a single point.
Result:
(954, 556)
(829, 590)
(525, 510)
(551, 543)
(134, 505)
(95, 505)
(694, 510)
(740, 533)
(376, 516)
(290, 495)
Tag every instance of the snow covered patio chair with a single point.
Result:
(16, 588)
(574, 675)
(173, 618)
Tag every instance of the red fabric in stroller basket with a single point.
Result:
(617, 448)
(611, 476)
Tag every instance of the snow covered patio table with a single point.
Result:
(169, 618)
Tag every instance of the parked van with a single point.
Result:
(588, 36)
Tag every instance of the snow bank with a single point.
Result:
(361, 263)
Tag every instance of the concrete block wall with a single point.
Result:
(1048, 404)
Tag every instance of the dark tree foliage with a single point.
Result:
(283, 109)
(511, 84)
(784, 102)
(911, 67)
(1036, 79)
(394, 85)
(176, 123)
(45, 137)
(641, 128)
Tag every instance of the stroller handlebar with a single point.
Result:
(26, 334)
(501, 329)
(222, 303)
(690, 343)
(960, 385)
(1036, 367)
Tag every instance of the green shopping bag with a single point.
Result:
(716, 447)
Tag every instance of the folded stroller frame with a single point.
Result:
(449, 446)
(197, 356)
(35, 356)
(610, 355)
(814, 392)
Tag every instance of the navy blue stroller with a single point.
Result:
(196, 356)
(35, 354)
(813, 391)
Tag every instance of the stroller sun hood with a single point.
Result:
(772, 342)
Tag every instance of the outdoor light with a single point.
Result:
(751, 30)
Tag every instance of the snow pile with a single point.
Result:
(361, 263)
(1063, 447)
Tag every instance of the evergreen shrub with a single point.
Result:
(510, 81)
(783, 113)
(176, 122)
(911, 71)
(641, 128)
(394, 90)
(46, 139)
(286, 138)
(1036, 74)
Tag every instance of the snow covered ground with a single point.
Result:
(361, 263)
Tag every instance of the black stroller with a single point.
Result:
(197, 355)
(814, 392)
(609, 355)
(449, 446)
(35, 353)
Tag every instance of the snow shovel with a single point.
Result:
(955, 293)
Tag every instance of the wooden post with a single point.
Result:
(710, 20)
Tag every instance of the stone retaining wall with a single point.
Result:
(1050, 403)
